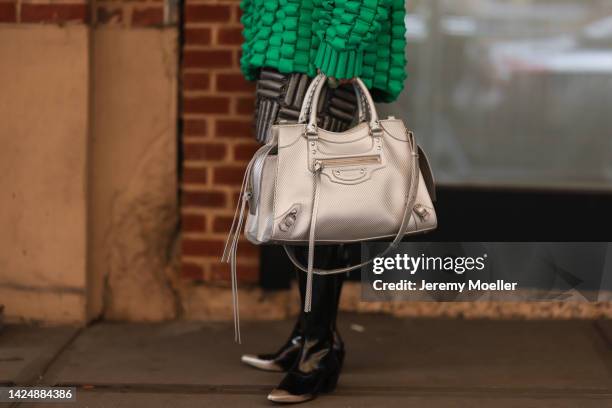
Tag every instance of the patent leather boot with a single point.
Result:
(316, 371)
(333, 282)
(319, 363)
(284, 358)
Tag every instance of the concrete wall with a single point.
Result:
(43, 133)
(133, 205)
(88, 205)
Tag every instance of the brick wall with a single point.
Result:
(43, 12)
(132, 13)
(128, 13)
(217, 139)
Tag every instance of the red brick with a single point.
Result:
(109, 15)
(195, 127)
(236, 197)
(228, 175)
(200, 151)
(197, 175)
(237, 13)
(210, 199)
(234, 128)
(7, 12)
(199, 13)
(193, 222)
(234, 83)
(198, 82)
(245, 273)
(245, 106)
(247, 250)
(206, 104)
(207, 59)
(53, 13)
(245, 151)
(230, 35)
(238, 53)
(197, 36)
(192, 271)
(202, 247)
(222, 223)
(149, 16)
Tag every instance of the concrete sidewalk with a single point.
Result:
(390, 363)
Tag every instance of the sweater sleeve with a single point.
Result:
(353, 26)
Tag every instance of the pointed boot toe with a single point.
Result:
(261, 363)
(284, 397)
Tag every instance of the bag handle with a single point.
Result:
(365, 104)
(311, 127)
(307, 102)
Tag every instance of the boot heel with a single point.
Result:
(330, 382)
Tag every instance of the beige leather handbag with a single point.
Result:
(309, 185)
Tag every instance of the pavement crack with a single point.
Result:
(39, 380)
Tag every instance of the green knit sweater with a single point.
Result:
(342, 38)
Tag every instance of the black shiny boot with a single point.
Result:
(320, 359)
(283, 359)
(328, 256)
(286, 356)
(317, 371)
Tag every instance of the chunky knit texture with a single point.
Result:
(342, 38)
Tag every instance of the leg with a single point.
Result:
(321, 357)
(279, 98)
(318, 365)
(328, 290)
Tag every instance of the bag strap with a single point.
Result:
(407, 215)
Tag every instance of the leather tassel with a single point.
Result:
(231, 244)
(311, 237)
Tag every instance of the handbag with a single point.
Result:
(307, 185)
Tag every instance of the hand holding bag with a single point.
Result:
(308, 185)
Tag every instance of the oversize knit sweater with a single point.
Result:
(342, 38)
